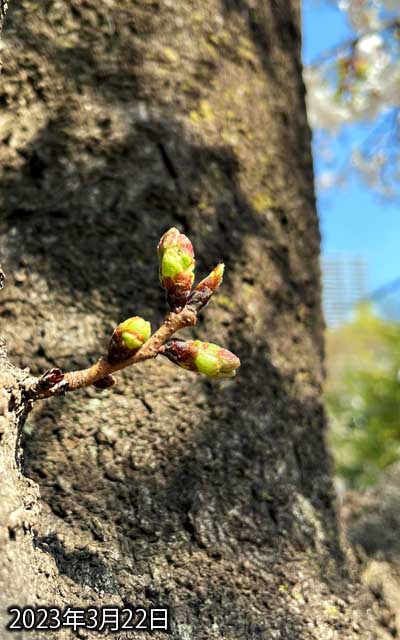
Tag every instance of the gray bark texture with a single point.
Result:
(121, 119)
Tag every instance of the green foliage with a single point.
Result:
(363, 396)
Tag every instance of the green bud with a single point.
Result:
(202, 357)
(176, 257)
(135, 332)
(127, 338)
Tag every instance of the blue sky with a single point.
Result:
(353, 220)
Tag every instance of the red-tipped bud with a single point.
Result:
(205, 289)
(127, 338)
(202, 357)
(176, 256)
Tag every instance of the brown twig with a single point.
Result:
(38, 388)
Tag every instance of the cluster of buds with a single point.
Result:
(202, 357)
(176, 256)
(127, 338)
(177, 262)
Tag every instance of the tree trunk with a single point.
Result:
(215, 499)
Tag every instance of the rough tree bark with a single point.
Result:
(121, 119)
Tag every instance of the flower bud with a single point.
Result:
(202, 357)
(176, 256)
(127, 338)
(205, 289)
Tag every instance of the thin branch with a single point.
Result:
(37, 388)
(131, 341)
